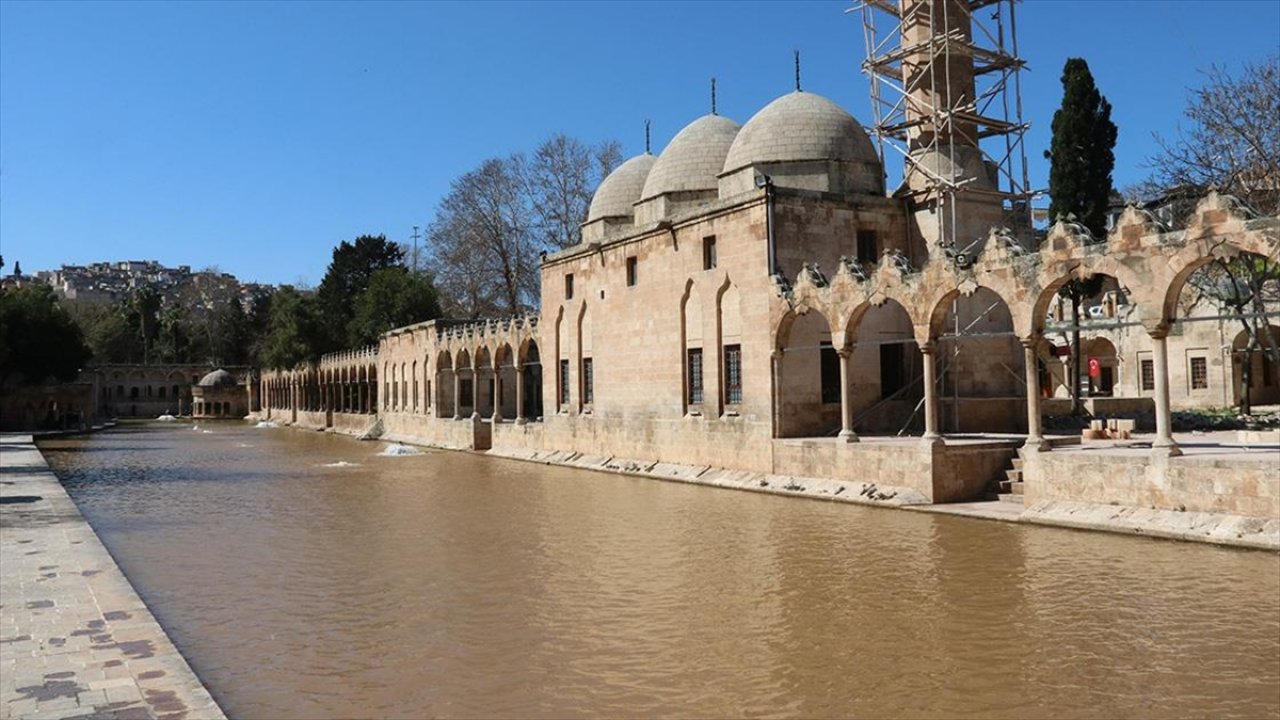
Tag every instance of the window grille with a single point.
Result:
(1148, 375)
(694, 359)
(588, 382)
(733, 374)
(1199, 374)
(564, 382)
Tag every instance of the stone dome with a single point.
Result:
(621, 190)
(800, 126)
(693, 158)
(217, 378)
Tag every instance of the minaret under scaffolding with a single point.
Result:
(945, 95)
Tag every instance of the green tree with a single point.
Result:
(173, 342)
(395, 297)
(292, 331)
(1082, 151)
(38, 338)
(107, 330)
(145, 306)
(228, 333)
(353, 264)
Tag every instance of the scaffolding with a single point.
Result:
(927, 116)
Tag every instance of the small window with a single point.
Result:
(1148, 375)
(693, 359)
(631, 271)
(568, 286)
(1199, 374)
(732, 374)
(588, 382)
(162, 391)
(830, 375)
(709, 252)
(564, 382)
(868, 250)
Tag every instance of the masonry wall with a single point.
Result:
(1184, 483)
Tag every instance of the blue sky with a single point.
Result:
(255, 136)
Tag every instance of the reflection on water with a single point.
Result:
(305, 576)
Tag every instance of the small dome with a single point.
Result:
(621, 190)
(797, 127)
(693, 158)
(216, 378)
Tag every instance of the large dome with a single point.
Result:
(797, 127)
(693, 158)
(216, 378)
(621, 190)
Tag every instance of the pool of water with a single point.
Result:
(304, 575)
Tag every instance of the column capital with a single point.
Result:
(1157, 329)
(927, 347)
(1031, 343)
(844, 352)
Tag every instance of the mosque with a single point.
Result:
(755, 299)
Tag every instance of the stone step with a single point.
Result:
(1013, 475)
(1009, 486)
(1017, 463)
(1009, 497)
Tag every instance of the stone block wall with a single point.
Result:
(1183, 483)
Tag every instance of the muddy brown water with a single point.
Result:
(304, 576)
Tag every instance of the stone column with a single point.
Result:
(1035, 435)
(457, 395)
(931, 433)
(520, 419)
(1164, 443)
(497, 394)
(846, 404)
(475, 392)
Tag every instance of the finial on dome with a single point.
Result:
(646, 136)
(713, 96)
(797, 71)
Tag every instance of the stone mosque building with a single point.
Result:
(755, 299)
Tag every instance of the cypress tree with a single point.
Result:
(1082, 152)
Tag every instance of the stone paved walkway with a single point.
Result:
(76, 641)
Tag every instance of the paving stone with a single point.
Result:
(70, 622)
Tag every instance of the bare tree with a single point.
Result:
(1233, 138)
(492, 228)
(562, 176)
(1244, 287)
(482, 241)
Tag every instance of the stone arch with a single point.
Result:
(532, 370)
(980, 363)
(693, 353)
(464, 379)
(805, 400)
(886, 390)
(445, 387)
(729, 344)
(1132, 287)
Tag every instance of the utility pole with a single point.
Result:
(415, 249)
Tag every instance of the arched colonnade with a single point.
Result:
(1151, 265)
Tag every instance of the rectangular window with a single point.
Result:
(830, 374)
(868, 251)
(564, 382)
(709, 252)
(1148, 375)
(162, 391)
(568, 286)
(631, 271)
(693, 359)
(1199, 374)
(588, 382)
(732, 374)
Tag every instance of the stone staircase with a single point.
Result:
(1009, 489)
